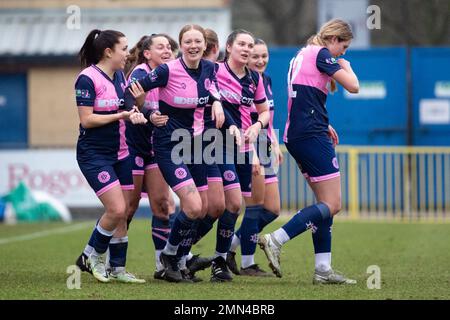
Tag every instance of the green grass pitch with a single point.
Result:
(413, 258)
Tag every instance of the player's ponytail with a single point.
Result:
(212, 40)
(333, 28)
(95, 44)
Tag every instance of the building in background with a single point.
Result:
(38, 46)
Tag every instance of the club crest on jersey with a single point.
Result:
(180, 173)
(252, 87)
(229, 175)
(104, 177)
(335, 163)
(183, 85)
(139, 161)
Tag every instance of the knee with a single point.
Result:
(234, 205)
(118, 212)
(193, 209)
(216, 208)
(132, 207)
(274, 208)
(161, 205)
(334, 206)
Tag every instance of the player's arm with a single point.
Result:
(85, 98)
(89, 119)
(340, 70)
(155, 79)
(262, 107)
(346, 77)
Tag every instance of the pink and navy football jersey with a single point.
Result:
(93, 88)
(139, 137)
(308, 80)
(183, 93)
(239, 95)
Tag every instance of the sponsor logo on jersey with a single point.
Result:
(191, 101)
(331, 60)
(110, 102)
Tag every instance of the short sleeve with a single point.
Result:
(85, 91)
(326, 63)
(137, 74)
(260, 93)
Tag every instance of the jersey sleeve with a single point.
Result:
(137, 74)
(326, 63)
(260, 93)
(85, 91)
(155, 79)
(228, 120)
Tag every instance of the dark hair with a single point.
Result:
(173, 44)
(232, 37)
(136, 56)
(95, 44)
(212, 40)
(260, 41)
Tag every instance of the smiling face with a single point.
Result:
(241, 48)
(192, 45)
(159, 52)
(119, 54)
(259, 58)
(338, 48)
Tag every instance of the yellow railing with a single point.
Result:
(395, 183)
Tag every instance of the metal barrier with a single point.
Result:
(395, 183)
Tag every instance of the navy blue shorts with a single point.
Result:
(142, 162)
(238, 173)
(315, 157)
(176, 172)
(102, 176)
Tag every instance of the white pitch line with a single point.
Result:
(42, 234)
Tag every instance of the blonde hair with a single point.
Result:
(334, 28)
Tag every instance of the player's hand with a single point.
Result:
(256, 169)
(345, 64)
(137, 117)
(138, 93)
(217, 114)
(256, 165)
(333, 135)
(251, 134)
(279, 157)
(234, 131)
(157, 119)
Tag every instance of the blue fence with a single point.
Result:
(14, 111)
(378, 115)
(384, 112)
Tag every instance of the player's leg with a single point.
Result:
(328, 192)
(313, 156)
(103, 180)
(118, 246)
(163, 208)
